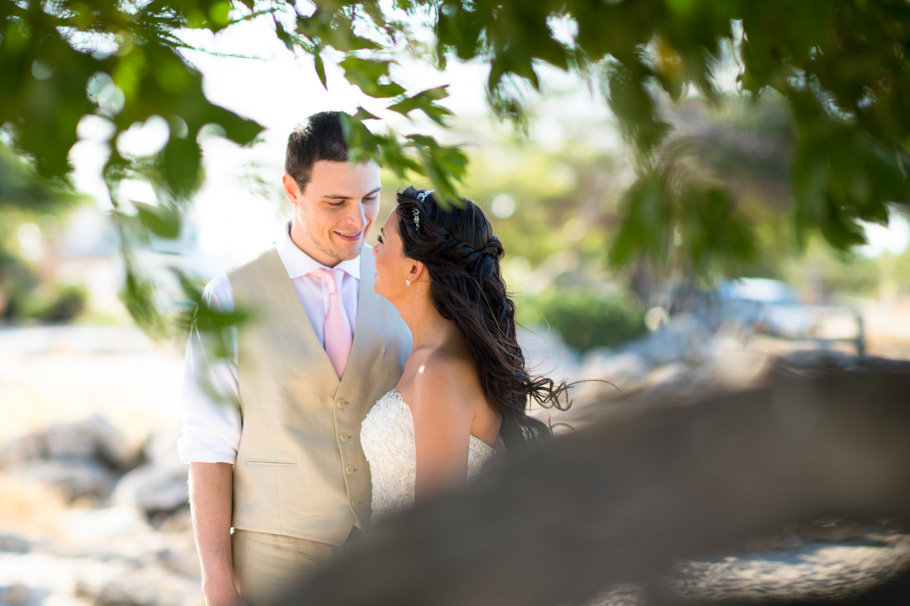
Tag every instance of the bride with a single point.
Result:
(464, 390)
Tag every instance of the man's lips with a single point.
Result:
(350, 237)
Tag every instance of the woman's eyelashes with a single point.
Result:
(379, 238)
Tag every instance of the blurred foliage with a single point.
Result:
(542, 202)
(16, 281)
(22, 190)
(672, 210)
(28, 201)
(838, 69)
(196, 312)
(585, 317)
(55, 303)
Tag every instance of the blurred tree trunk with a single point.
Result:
(624, 498)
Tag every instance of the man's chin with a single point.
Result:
(349, 251)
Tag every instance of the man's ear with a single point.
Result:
(291, 189)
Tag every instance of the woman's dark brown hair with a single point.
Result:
(462, 256)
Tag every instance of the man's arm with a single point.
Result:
(211, 434)
(211, 503)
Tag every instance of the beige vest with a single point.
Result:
(300, 469)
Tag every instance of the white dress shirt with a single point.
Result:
(211, 408)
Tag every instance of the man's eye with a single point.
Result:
(371, 199)
(336, 204)
(380, 239)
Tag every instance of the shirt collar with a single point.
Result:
(298, 263)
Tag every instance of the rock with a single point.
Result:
(180, 561)
(686, 338)
(146, 587)
(180, 522)
(14, 543)
(627, 371)
(15, 594)
(547, 354)
(119, 594)
(105, 524)
(73, 478)
(672, 376)
(91, 438)
(161, 449)
(111, 444)
(152, 489)
(160, 484)
(22, 449)
(70, 441)
(732, 364)
(94, 438)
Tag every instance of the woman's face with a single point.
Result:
(392, 267)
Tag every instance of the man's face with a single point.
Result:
(334, 212)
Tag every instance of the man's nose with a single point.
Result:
(356, 218)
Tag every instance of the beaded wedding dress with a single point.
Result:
(387, 436)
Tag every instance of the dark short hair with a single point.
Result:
(319, 137)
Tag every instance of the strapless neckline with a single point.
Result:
(387, 437)
(473, 440)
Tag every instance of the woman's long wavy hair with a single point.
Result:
(462, 256)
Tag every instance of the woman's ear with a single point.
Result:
(417, 270)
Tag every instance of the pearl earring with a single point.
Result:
(408, 281)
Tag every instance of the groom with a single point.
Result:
(278, 481)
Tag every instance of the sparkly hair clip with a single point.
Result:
(421, 196)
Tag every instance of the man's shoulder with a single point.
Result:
(218, 293)
(253, 260)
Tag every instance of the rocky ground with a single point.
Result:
(92, 496)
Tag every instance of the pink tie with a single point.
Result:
(338, 334)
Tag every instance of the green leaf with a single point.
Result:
(284, 36)
(363, 144)
(163, 222)
(371, 76)
(138, 295)
(242, 131)
(425, 101)
(182, 165)
(320, 69)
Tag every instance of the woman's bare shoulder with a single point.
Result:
(447, 374)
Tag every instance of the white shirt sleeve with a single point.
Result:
(211, 389)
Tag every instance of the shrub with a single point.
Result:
(585, 317)
(58, 304)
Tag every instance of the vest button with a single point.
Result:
(344, 437)
(341, 403)
(349, 470)
(355, 503)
